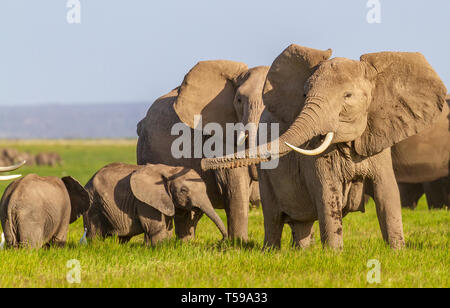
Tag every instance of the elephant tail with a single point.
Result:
(9, 237)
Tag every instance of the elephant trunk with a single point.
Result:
(306, 126)
(252, 114)
(209, 211)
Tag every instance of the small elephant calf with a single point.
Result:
(128, 200)
(35, 210)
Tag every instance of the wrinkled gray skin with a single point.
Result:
(369, 105)
(36, 211)
(236, 100)
(128, 200)
(255, 196)
(421, 165)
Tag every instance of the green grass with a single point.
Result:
(205, 262)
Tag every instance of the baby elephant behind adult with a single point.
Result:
(38, 210)
(128, 200)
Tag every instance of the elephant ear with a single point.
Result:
(408, 97)
(79, 198)
(283, 92)
(208, 90)
(149, 187)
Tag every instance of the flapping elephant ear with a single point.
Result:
(79, 198)
(208, 90)
(283, 92)
(408, 96)
(149, 187)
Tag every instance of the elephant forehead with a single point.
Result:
(336, 72)
(254, 82)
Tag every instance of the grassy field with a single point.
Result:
(205, 262)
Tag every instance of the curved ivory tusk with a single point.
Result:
(326, 143)
(12, 168)
(241, 137)
(9, 177)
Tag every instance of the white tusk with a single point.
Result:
(12, 168)
(2, 244)
(326, 143)
(9, 177)
(241, 137)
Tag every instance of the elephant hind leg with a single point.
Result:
(60, 239)
(30, 235)
(410, 194)
(273, 230)
(302, 234)
(437, 193)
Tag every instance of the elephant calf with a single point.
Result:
(128, 200)
(35, 210)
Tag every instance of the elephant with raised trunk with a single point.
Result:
(221, 92)
(350, 112)
(128, 200)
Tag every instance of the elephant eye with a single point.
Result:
(184, 189)
(348, 95)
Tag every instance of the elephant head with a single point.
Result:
(11, 168)
(222, 92)
(371, 104)
(175, 191)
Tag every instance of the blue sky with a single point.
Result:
(137, 50)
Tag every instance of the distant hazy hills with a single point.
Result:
(71, 121)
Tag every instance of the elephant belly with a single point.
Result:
(424, 157)
(122, 219)
(290, 191)
(419, 162)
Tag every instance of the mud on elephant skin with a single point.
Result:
(359, 109)
(35, 211)
(128, 200)
(221, 92)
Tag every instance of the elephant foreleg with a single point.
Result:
(235, 185)
(326, 189)
(387, 201)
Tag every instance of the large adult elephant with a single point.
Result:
(421, 164)
(221, 92)
(360, 109)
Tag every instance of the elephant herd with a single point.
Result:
(378, 127)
